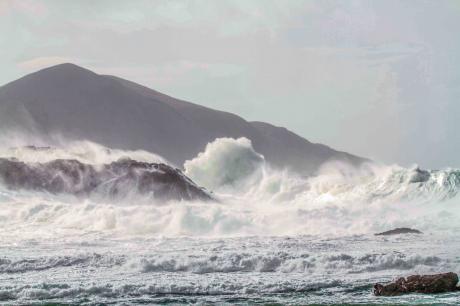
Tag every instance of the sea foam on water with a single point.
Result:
(268, 232)
(252, 198)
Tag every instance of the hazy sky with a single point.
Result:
(376, 78)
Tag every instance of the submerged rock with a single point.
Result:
(117, 179)
(437, 283)
(399, 230)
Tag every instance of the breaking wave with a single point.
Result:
(251, 198)
(52, 262)
(83, 151)
(229, 262)
(287, 263)
(226, 163)
(157, 293)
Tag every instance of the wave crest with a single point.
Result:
(254, 199)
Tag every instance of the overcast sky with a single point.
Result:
(376, 78)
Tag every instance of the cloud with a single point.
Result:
(28, 7)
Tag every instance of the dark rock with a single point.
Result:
(116, 179)
(438, 283)
(400, 230)
(419, 176)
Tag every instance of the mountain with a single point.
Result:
(77, 103)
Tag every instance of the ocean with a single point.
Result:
(270, 236)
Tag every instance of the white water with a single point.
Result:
(254, 200)
(270, 232)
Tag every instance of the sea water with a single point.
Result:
(271, 236)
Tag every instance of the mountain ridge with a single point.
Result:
(81, 104)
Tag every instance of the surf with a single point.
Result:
(251, 198)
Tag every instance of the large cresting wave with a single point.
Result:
(249, 198)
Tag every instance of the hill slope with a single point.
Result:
(80, 104)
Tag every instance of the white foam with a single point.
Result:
(84, 151)
(285, 263)
(225, 163)
(254, 199)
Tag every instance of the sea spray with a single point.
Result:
(253, 199)
(225, 164)
(272, 236)
(83, 151)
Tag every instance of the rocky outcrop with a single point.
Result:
(419, 176)
(438, 283)
(117, 179)
(400, 230)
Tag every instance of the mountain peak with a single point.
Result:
(66, 69)
(51, 78)
(65, 65)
